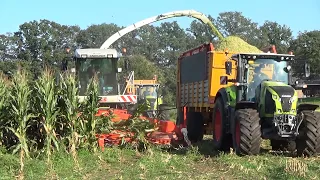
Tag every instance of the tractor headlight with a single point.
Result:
(275, 97)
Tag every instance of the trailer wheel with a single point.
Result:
(247, 132)
(221, 141)
(309, 143)
(195, 126)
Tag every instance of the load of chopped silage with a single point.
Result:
(237, 45)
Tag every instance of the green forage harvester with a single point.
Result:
(236, 44)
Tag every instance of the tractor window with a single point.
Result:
(105, 69)
(147, 91)
(262, 69)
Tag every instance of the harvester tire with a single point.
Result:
(309, 143)
(221, 140)
(247, 132)
(195, 126)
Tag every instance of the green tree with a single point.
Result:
(273, 33)
(306, 49)
(235, 24)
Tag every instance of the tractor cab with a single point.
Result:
(148, 92)
(99, 62)
(255, 70)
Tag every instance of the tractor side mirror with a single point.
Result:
(307, 69)
(228, 67)
(287, 69)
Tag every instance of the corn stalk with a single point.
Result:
(89, 110)
(46, 103)
(20, 111)
(4, 92)
(70, 103)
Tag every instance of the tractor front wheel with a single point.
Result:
(247, 132)
(309, 143)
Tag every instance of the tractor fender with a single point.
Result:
(302, 107)
(222, 93)
(245, 105)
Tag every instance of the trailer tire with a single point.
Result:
(221, 140)
(195, 126)
(309, 143)
(247, 132)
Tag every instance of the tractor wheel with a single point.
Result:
(164, 112)
(195, 126)
(309, 143)
(221, 140)
(247, 132)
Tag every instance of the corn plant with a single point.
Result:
(46, 102)
(89, 110)
(20, 111)
(69, 102)
(4, 94)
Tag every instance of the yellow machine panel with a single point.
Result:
(196, 89)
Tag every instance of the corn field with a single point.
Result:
(45, 115)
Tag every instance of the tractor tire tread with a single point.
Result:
(250, 131)
(310, 146)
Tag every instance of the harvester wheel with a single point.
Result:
(221, 140)
(309, 143)
(247, 132)
(195, 126)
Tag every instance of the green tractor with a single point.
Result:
(149, 94)
(262, 104)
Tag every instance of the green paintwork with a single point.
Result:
(266, 86)
(159, 101)
(232, 95)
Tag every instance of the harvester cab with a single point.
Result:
(263, 97)
(102, 63)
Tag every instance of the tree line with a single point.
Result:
(41, 43)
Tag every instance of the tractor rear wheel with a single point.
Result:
(309, 143)
(221, 140)
(247, 132)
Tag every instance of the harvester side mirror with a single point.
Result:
(228, 67)
(307, 69)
